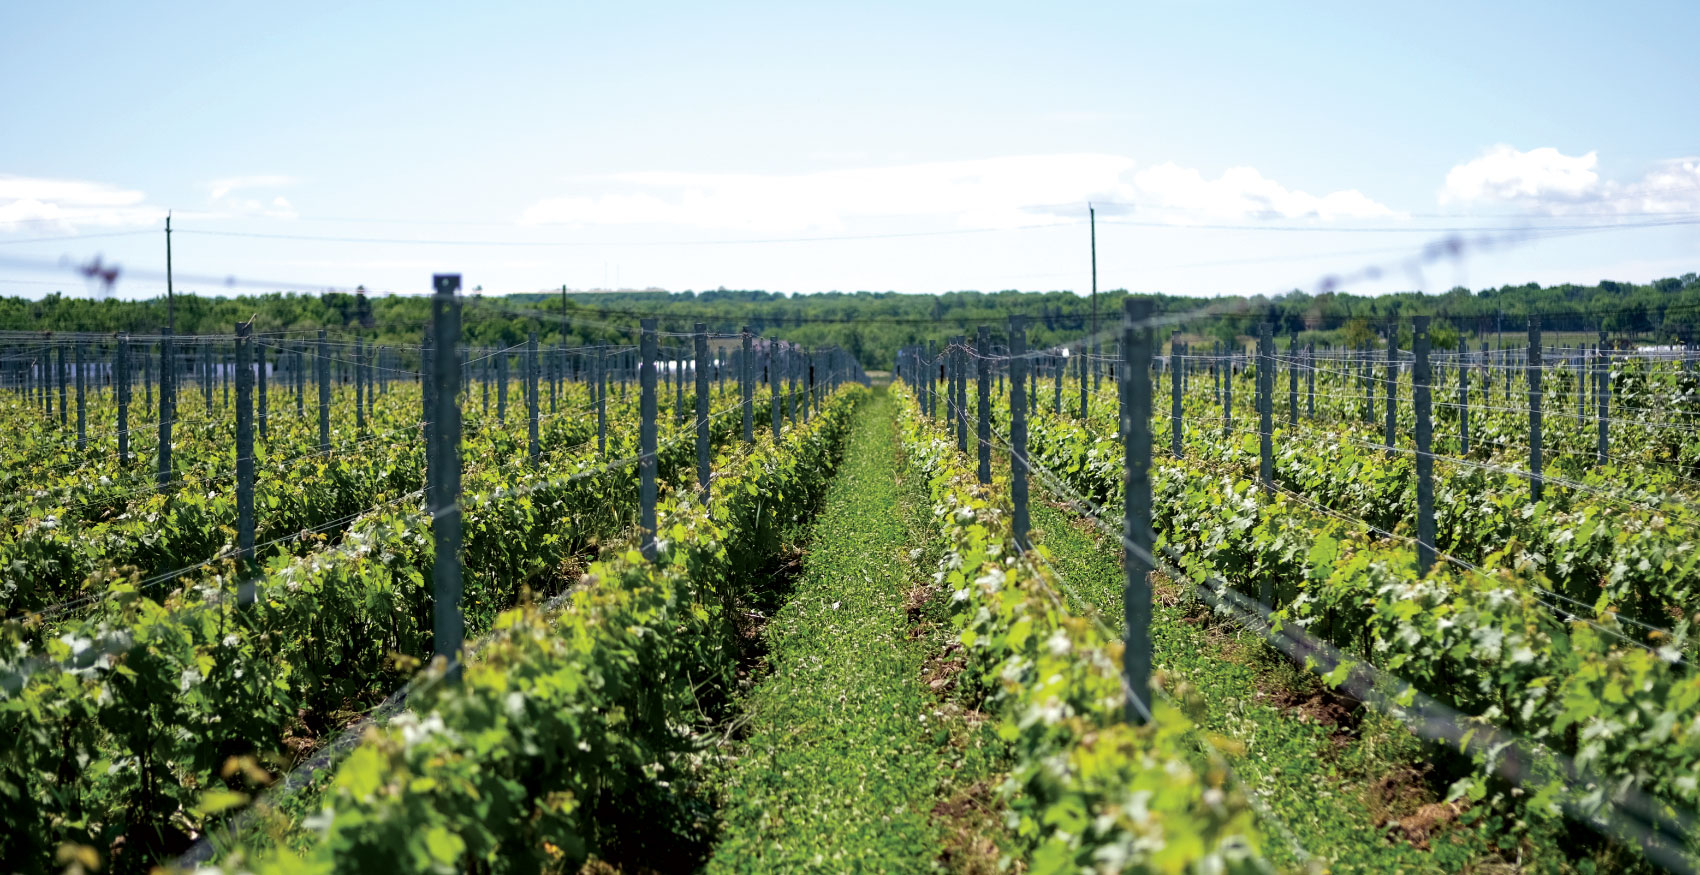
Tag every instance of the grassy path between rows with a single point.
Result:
(847, 751)
(1339, 788)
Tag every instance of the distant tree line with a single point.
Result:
(873, 325)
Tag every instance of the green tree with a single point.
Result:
(1358, 334)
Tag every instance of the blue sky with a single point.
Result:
(1234, 147)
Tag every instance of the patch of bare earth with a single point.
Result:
(1324, 707)
(1404, 803)
(967, 818)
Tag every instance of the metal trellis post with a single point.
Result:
(774, 354)
(244, 456)
(121, 381)
(167, 408)
(1136, 511)
(324, 369)
(502, 386)
(1420, 378)
(1532, 366)
(704, 471)
(746, 384)
(1177, 358)
(646, 437)
(260, 384)
(982, 370)
(1293, 382)
(1392, 390)
(359, 385)
(1463, 403)
(1602, 399)
(531, 398)
(82, 401)
(1018, 428)
(1266, 406)
(599, 371)
(448, 623)
(1310, 379)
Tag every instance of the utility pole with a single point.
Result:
(170, 302)
(1092, 221)
(563, 314)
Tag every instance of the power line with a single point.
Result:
(1685, 219)
(99, 236)
(317, 238)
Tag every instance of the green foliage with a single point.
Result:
(1333, 785)
(846, 746)
(1357, 334)
(1488, 642)
(115, 723)
(565, 710)
(874, 325)
(1088, 791)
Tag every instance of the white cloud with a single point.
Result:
(1545, 180)
(1671, 186)
(981, 193)
(1505, 174)
(66, 204)
(225, 197)
(1242, 192)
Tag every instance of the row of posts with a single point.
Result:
(925, 367)
(70, 365)
(1423, 382)
(810, 378)
(1422, 387)
(371, 372)
(290, 365)
(247, 359)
